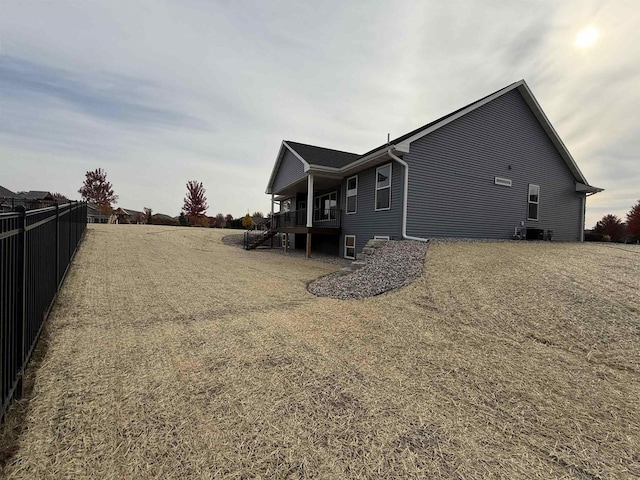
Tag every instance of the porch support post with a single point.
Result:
(272, 204)
(272, 221)
(286, 242)
(310, 201)
(308, 245)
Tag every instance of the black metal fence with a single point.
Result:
(10, 204)
(36, 249)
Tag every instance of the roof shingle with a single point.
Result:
(326, 157)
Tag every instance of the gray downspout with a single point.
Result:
(405, 197)
(582, 215)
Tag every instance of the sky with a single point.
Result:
(159, 92)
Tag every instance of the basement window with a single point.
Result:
(352, 194)
(350, 247)
(383, 187)
(534, 202)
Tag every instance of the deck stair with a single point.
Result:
(363, 257)
(253, 240)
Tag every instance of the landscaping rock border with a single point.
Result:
(394, 265)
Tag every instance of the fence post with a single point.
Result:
(57, 245)
(70, 222)
(21, 297)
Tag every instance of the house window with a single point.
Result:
(383, 187)
(350, 246)
(534, 202)
(352, 194)
(324, 207)
(381, 237)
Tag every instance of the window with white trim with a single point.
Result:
(324, 207)
(352, 194)
(534, 202)
(350, 246)
(383, 187)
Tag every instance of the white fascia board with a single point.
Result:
(304, 162)
(313, 168)
(404, 145)
(286, 187)
(583, 188)
(553, 135)
(360, 163)
(279, 160)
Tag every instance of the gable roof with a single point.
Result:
(340, 162)
(326, 157)
(5, 192)
(421, 129)
(35, 195)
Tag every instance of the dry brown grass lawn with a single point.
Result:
(172, 355)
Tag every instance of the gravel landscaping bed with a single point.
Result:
(392, 266)
(235, 239)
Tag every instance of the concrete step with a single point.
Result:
(361, 256)
(357, 264)
(376, 243)
(345, 270)
(368, 250)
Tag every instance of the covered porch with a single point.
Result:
(307, 207)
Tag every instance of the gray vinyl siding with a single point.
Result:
(366, 222)
(451, 183)
(290, 170)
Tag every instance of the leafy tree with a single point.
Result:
(633, 221)
(195, 203)
(183, 220)
(247, 222)
(149, 215)
(98, 190)
(227, 220)
(612, 226)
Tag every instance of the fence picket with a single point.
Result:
(31, 273)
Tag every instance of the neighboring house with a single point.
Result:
(6, 199)
(31, 200)
(121, 215)
(94, 215)
(479, 172)
(35, 195)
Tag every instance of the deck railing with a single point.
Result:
(322, 217)
(36, 249)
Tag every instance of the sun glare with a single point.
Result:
(586, 37)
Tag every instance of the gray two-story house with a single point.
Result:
(492, 169)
